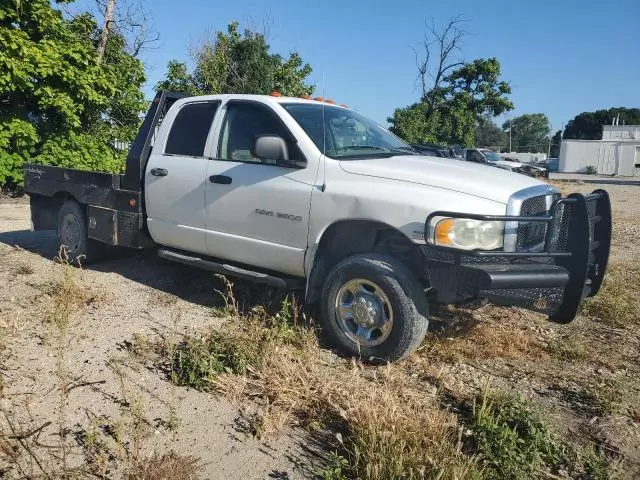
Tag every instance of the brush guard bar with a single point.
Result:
(555, 280)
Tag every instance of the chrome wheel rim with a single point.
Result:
(71, 233)
(363, 312)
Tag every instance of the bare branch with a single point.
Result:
(131, 20)
(440, 54)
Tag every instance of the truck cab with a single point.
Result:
(304, 194)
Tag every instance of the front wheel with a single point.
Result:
(374, 307)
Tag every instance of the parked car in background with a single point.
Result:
(489, 157)
(533, 170)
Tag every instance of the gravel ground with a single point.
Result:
(135, 295)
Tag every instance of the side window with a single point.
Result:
(243, 123)
(474, 156)
(190, 129)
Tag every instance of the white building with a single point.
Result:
(525, 157)
(617, 153)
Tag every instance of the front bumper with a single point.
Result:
(554, 280)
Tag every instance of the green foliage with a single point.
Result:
(336, 470)
(555, 144)
(591, 170)
(18, 139)
(515, 443)
(55, 97)
(235, 62)
(588, 125)
(178, 79)
(489, 135)
(198, 362)
(450, 112)
(529, 132)
(81, 151)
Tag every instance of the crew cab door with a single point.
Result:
(257, 210)
(175, 178)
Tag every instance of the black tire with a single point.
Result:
(406, 299)
(73, 239)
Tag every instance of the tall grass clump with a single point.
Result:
(617, 303)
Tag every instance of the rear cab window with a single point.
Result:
(190, 129)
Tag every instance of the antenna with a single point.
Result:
(324, 141)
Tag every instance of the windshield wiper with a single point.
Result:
(407, 149)
(364, 147)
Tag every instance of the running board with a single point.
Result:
(288, 283)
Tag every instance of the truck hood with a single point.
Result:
(473, 179)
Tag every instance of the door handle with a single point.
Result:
(222, 179)
(159, 172)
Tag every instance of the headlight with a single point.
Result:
(467, 234)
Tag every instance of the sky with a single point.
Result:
(561, 57)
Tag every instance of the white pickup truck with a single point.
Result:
(305, 194)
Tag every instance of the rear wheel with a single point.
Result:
(73, 240)
(374, 307)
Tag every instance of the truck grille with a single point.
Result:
(531, 235)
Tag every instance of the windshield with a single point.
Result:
(342, 133)
(492, 156)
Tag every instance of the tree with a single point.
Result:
(104, 34)
(232, 62)
(489, 135)
(529, 132)
(58, 104)
(450, 114)
(555, 144)
(588, 125)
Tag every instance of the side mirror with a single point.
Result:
(271, 147)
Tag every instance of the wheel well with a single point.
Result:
(346, 238)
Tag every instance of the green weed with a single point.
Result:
(199, 361)
(568, 349)
(514, 443)
(616, 304)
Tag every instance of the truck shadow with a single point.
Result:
(197, 286)
(143, 267)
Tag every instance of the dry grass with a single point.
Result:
(568, 349)
(484, 340)
(23, 268)
(166, 466)
(618, 302)
(392, 427)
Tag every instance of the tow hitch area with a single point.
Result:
(568, 266)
